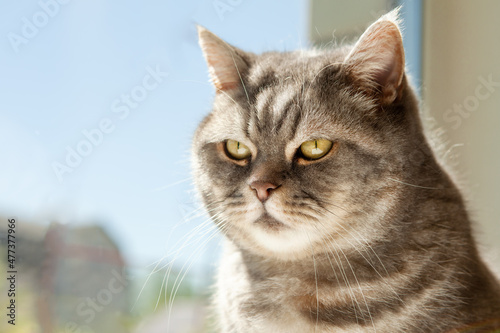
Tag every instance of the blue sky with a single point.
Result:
(67, 73)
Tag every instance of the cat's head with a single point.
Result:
(306, 148)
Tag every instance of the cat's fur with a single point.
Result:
(372, 237)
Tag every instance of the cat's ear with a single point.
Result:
(377, 60)
(225, 62)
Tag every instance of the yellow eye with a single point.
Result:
(315, 149)
(237, 150)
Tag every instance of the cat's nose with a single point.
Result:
(262, 189)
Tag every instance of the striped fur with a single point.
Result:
(372, 238)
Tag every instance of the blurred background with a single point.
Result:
(98, 103)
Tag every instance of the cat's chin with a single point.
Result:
(278, 239)
(269, 223)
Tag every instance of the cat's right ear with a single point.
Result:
(377, 60)
(225, 62)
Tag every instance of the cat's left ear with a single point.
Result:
(225, 62)
(377, 60)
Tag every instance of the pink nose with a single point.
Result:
(262, 189)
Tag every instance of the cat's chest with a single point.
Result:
(276, 305)
(288, 315)
(271, 300)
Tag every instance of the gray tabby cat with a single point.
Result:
(336, 215)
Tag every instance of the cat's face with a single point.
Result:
(304, 149)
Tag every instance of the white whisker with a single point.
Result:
(425, 187)
(316, 281)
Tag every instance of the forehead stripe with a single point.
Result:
(289, 109)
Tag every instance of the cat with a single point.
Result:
(336, 214)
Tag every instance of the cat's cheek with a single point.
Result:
(242, 217)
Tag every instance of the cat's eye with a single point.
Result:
(237, 150)
(315, 149)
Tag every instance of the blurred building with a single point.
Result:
(71, 279)
(83, 281)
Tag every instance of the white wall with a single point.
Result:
(461, 50)
(342, 18)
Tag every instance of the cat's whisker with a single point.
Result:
(329, 248)
(196, 253)
(178, 251)
(157, 264)
(413, 185)
(364, 243)
(456, 145)
(357, 281)
(303, 79)
(208, 223)
(169, 264)
(162, 188)
(346, 279)
(189, 236)
(319, 72)
(329, 251)
(192, 258)
(184, 271)
(241, 80)
(316, 281)
(358, 235)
